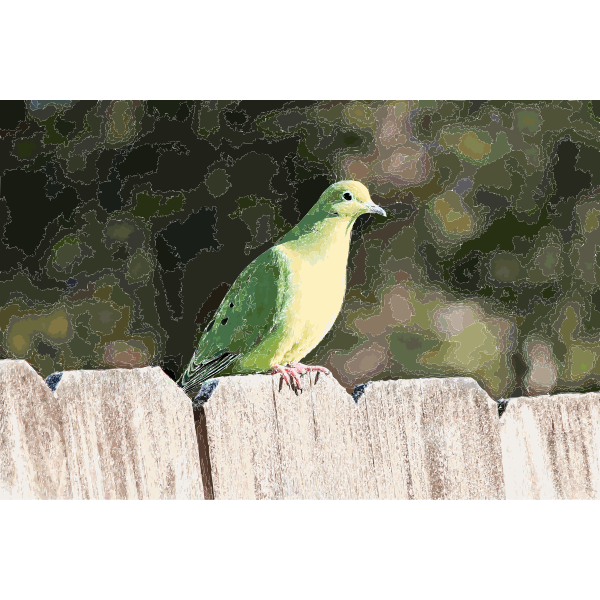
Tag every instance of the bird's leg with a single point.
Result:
(304, 368)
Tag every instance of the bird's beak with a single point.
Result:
(373, 208)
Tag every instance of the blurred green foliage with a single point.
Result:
(124, 223)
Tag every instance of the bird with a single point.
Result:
(286, 300)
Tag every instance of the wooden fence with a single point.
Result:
(134, 434)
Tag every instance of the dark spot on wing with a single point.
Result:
(224, 321)
(210, 325)
(231, 305)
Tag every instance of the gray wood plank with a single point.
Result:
(129, 434)
(33, 459)
(551, 447)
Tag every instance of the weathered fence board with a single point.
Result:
(243, 457)
(551, 447)
(120, 433)
(129, 434)
(427, 438)
(33, 460)
(126, 433)
(439, 437)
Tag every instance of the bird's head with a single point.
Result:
(348, 199)
(345, 200)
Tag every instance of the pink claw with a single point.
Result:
(279, 369)
(295, 368)
(305, 368)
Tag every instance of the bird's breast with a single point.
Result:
(316, 289)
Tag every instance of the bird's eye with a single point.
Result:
(347, 196)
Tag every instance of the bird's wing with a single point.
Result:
(257, 296)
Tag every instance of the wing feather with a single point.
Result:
(248, 313)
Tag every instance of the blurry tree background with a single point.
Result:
(123, 223)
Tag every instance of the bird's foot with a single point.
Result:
(304, 368)
(283, 371)
(294, 369)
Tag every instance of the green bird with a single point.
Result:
(287, 299)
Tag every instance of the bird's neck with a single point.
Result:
(321, 237)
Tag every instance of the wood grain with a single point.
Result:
(33, 459)
(129, 434)
(126, 433)
(551, 447)
(114, 434)
(421, 439)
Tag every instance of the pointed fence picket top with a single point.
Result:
(424, 438)
(114, 434)
(33, 459)
(551, 447)
(132, 433)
